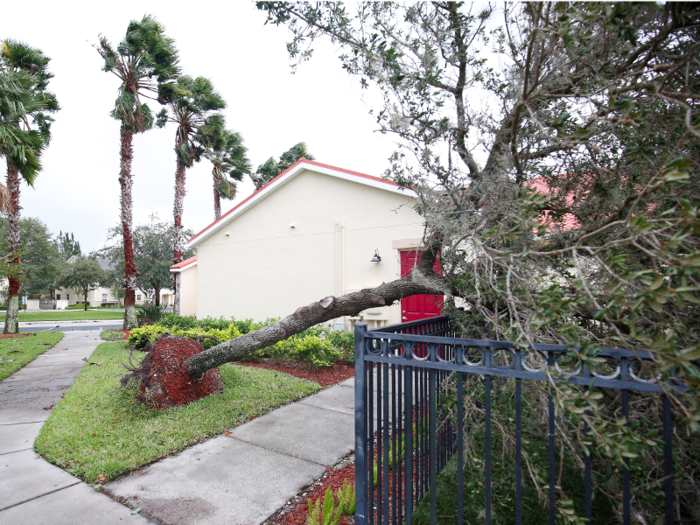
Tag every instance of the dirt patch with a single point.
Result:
(296, 510)
(15, 336)
(325, 376)
(164, 382)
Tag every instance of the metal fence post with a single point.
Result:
(360, 427)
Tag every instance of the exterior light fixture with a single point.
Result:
(376, 258)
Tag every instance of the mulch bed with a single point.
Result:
(296, 510)
(15, 336)
(325, 376)
(126, 333)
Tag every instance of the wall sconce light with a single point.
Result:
(376, 258)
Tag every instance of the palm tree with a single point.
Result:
(193, 105)
(144, 62)
(230, 163)
(271, 168)
(25, 131)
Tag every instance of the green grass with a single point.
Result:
(113, 334)
(15, 353)
(98, 430)
(67, 315)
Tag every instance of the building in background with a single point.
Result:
(314, 231)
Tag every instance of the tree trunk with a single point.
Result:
(85, 302)
(180, 171)
(130, 274)
(217, 201)
(422, 280)
(12, 317)
(157, 298)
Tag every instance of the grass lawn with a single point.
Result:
(67, 315)
(98, 430)
(15, 353)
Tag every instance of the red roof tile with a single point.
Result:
(184, 263)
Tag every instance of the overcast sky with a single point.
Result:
(227, 42)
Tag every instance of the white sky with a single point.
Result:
(78, 189)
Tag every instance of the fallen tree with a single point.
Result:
(158, 384)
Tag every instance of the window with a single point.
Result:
(138, 297)
(67, 297)
(58, 296)
(104, 297)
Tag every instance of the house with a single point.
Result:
(102, 295)
(315, 230)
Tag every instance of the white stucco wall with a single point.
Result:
(259, 266)
(188, 291)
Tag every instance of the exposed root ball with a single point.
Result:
(164, 382)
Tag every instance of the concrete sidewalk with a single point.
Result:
(244, 477)
(33, 491)
(238, 478)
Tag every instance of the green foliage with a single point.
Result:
(330, 512)
(82, 275)
(24, 100)
(140, 337)
(305, 346)
(145, 60)
(317, 346)
(228, 155)
(153, 256)
(271, 168)
(150, 313)
(67, 245)
(41, 264)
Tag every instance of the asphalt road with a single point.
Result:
(63, 326)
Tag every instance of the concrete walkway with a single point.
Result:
(245, 476)
(238, 478)
(33, 491)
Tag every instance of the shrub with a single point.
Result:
(306, 346)
(77, 306)
(150, 313)
(143, 335)
(112, 334)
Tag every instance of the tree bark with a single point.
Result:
(85, 302)
(180, 172)
(14, 215)
(422, 280)
(127, 205)
(217, 201)
(157, 297)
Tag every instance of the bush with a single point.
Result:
(143, 335)
(150, 313)
(190, 322)
(77, 306)
(317, 346)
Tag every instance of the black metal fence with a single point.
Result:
(403, 440)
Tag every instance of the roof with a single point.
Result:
(184, 264)
(105, 264)
(289, 174)
(568, 220)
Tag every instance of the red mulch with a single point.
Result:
(15, 336)
(325, 376)
(169, 354)
(296, 510)
(126, 333)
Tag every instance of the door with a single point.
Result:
(418, 306)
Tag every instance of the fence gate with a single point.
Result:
(47, 303)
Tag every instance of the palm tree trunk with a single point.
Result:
(178, 242)
(13, 216)
(130, 274)
(217, 201)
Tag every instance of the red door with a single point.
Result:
(418, 306)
